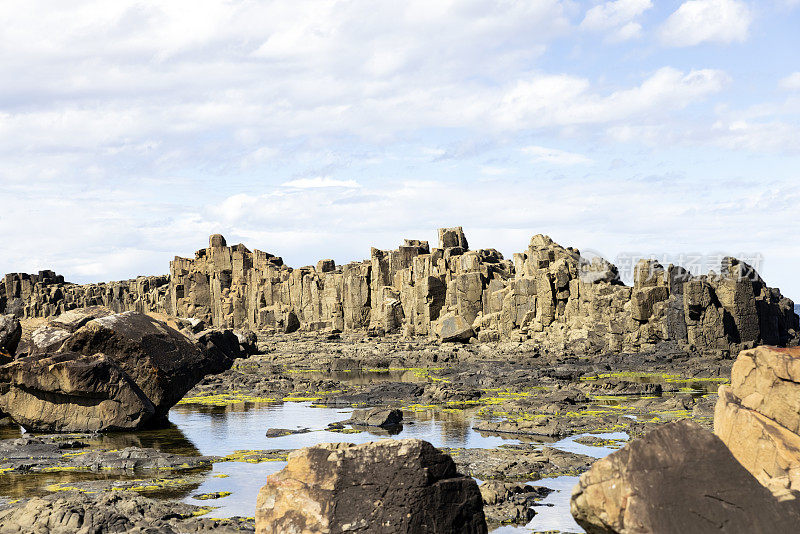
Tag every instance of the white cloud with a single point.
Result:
(616, 18)
(791, 82)
(320, 181)
(566, 100)
(554, 156)
(715, 21)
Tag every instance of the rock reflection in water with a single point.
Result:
(170, 440)
(10, 431)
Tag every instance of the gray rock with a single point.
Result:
(381, 417)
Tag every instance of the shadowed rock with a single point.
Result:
(10, 334)
(678, 478)
(163, 362)
(381, 417)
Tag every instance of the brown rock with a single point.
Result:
(678, 478)
(69, 392)
(163, 362)
(758, 416)
(768, 450)
(390, 487)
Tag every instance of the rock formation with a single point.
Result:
(93, 370)
(390, 486)
(678, 478)
(547, 293)
(758, 416)
(69, 392)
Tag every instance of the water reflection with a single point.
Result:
(220, 431)
(10, 431)
(170, 440)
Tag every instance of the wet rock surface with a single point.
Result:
(118, 511)
(519, 463)
(479, 384)
(510, 502)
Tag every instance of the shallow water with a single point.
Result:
(222, 431)
(219, 431)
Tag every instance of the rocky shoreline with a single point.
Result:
(516, 389)
(527, 352)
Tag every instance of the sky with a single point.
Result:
(131, 130)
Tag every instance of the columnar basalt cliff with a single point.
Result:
(548, 293)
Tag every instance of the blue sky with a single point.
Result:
(129, 131)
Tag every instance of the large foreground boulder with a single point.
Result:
(383, 487)
(758, 416)
(676, 479)
(164, 363)
(69, 392)
(94, 370)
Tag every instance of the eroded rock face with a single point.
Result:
(758, 416)
(69, 392)
(548, 293)
(114, 511)
(404, 486)
(678, 478)
(164, 363)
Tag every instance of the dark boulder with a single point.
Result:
(381, 417)
(69, 392)
(164, 363)
(10, 334)
(384, 487)
(678, 478)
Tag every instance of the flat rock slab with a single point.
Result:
(676, 479)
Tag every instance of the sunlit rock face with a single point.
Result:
(758, 416)
(547, 293)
